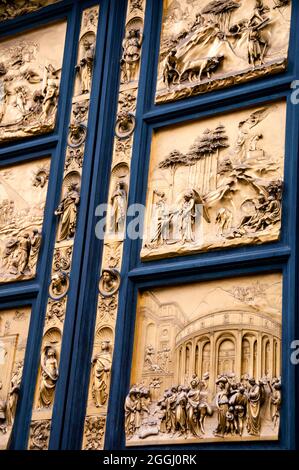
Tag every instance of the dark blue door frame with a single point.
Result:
(35, 293)
(281, 256)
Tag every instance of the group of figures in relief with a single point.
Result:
(20, 221)
(184, 409)
(213, 41)
(8, 407)
(11, 8)
(232, 194)
(20, 254)
(29, 92)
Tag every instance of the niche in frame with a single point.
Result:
(207, 363)
(216, 182)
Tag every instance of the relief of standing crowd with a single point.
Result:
(239, 407)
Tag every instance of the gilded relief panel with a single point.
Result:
(14, 325)
(30, 73)
(23, 191)
(11, 8)
(207, 45)
(207, 363)
(219, 186)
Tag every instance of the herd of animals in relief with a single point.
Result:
(211, 44)
(221, 185)
(207, 363)
(30, 72)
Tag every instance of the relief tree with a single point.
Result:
(174, 159)
(220, 11)
(218, 141)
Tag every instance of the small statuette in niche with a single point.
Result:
(102, 363)
(68, 207)
(49, 376)
(49, 369)
(119, 207)
(131, 54)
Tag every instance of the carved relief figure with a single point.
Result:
(207, 390)
(22, 200)
(187, 216)
(67, 210)
(131, 54)
(222, 409)
(12, 8)
(161, 218)
(30, 73)
(51, 92)
(135, 409)
(85, 67)
(119, 207)
(276, 399)
(223, 187)
(171, 74)
(254, 407)
(49, 376)
(102, 365)
(219, 44)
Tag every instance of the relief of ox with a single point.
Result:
(201, 67)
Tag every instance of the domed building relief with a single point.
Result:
(207, 363)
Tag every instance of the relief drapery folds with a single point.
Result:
(209, 45)
(30, 72)
(207, 363)
(221, 186)
(67, 210)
